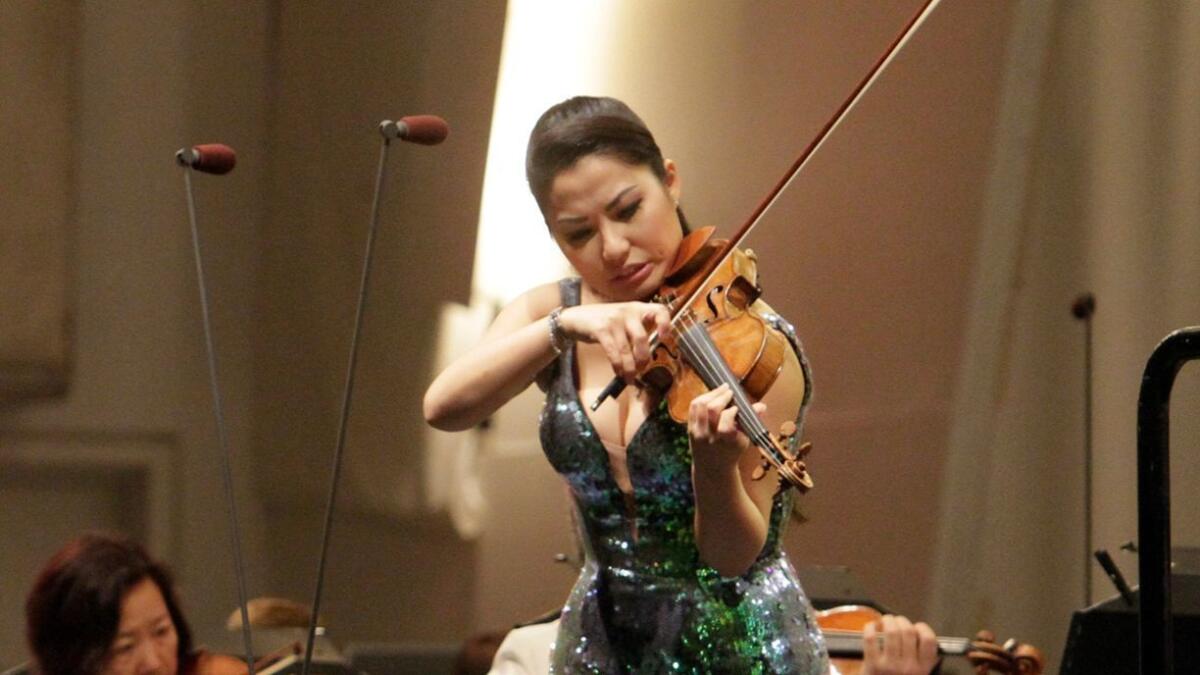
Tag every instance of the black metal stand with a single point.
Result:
(1154, 498)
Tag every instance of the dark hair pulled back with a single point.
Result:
(74, 609)
(588, 125)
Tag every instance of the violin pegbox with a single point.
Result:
(792, 465)
(1013, 658)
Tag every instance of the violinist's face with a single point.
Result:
(617, 224)
(146, 642)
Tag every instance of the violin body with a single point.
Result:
(720, 336)
(753, 350)
(207, 663)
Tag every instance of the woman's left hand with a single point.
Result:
(730, 522)
(712, 426)
(897, 646)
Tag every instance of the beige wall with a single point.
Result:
(1106, 204)
(145, 79)
(39, 181)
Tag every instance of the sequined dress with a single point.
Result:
(644, 602)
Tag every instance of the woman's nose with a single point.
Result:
(150, 662)
(615, 247)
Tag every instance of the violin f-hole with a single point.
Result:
(716, 291)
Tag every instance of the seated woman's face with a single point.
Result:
(146, 641)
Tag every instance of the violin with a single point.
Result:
(206, 663)
(843, 627)
(719, 336)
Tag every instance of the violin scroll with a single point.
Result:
(1029, 659)
(793, 469)
(1014, 658)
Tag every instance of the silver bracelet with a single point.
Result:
(558, 338)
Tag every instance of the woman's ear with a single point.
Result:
(672, 180)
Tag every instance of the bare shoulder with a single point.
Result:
(526, 308)
(539, 300)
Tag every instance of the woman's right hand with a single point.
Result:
(622, 329)
(516, 346)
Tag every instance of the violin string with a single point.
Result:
(704, 355)
(698, 347)
(708, 353)
(700, 350)
(703, 362)
(708, 359)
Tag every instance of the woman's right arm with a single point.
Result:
(515, 347)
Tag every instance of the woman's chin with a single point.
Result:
(634, 290)
(640, 293)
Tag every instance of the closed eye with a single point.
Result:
(628, 212)
(579, 236)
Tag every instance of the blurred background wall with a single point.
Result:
(1013, 156)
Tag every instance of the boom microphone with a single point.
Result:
(423, 129)
(219, 159)
(216, 158)
(426, 130)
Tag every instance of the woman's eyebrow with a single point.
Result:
(613, 204)
(570, 220)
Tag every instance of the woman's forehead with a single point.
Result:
(143, 602)
(598, 179)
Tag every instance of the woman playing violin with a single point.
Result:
(101, 606)
(683, 570)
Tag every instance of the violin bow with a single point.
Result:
(617, 385)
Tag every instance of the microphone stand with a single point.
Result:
(188, 159)
(388, 130)
(1083, 309)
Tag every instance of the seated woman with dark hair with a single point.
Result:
(102, 606)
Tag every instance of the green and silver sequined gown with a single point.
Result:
(644, 603)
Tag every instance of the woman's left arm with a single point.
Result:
(733, 510)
